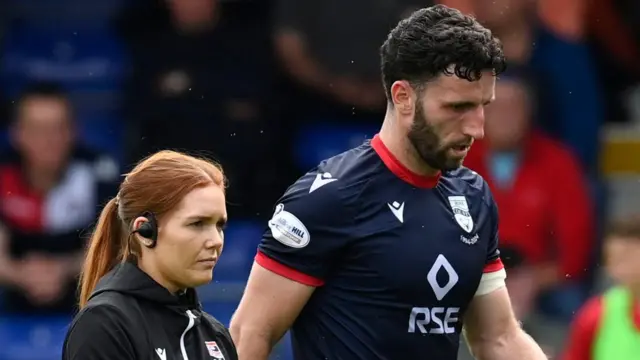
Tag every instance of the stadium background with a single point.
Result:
(227, 79)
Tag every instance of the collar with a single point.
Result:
(401, 171)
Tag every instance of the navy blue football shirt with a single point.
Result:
(396, 257)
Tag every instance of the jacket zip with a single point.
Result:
(192, 322)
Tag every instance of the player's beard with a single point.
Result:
(428, 145)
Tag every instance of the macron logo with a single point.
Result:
(397, 209)
(320, 181)
(162, 354)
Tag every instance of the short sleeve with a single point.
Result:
(493, 262)
(493, 273)
(98, 333)
(309, 229)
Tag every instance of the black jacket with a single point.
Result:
(131, 317)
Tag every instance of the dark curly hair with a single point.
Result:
(438, 40)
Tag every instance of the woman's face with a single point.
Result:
(190, 240)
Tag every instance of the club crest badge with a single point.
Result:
(461, 212)
(214, 350)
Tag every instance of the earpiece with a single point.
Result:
(148, 229)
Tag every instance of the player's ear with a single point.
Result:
(136, 225)
(403, 97)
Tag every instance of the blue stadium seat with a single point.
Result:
(32, 338)
(65, 13)
(103, 133)
(318, 142)
(91, 64)
(240, 244)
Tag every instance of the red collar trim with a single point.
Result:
(401, 171)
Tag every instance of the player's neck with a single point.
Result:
(402, 150)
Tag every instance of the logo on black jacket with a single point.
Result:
(214, 350)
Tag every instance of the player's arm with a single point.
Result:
(269, 306)
(490, 326)
(294, 257)
(493, 333)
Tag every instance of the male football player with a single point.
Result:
(386, 250)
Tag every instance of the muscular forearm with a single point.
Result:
(516, 345)
(251, 345)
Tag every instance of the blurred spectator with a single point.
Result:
(330, 49)
(50, 190)
(546, 215)
(615, 29)
(608, 326)
(201, 83)
(549, 37)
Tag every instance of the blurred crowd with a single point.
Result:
(269, 88)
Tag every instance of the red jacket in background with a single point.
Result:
(547, 212)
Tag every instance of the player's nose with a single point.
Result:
(474, 124)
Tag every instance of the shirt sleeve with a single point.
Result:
(309, 229)
(98, 334)
(493, 273)
(583, 331)
(493, 262)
